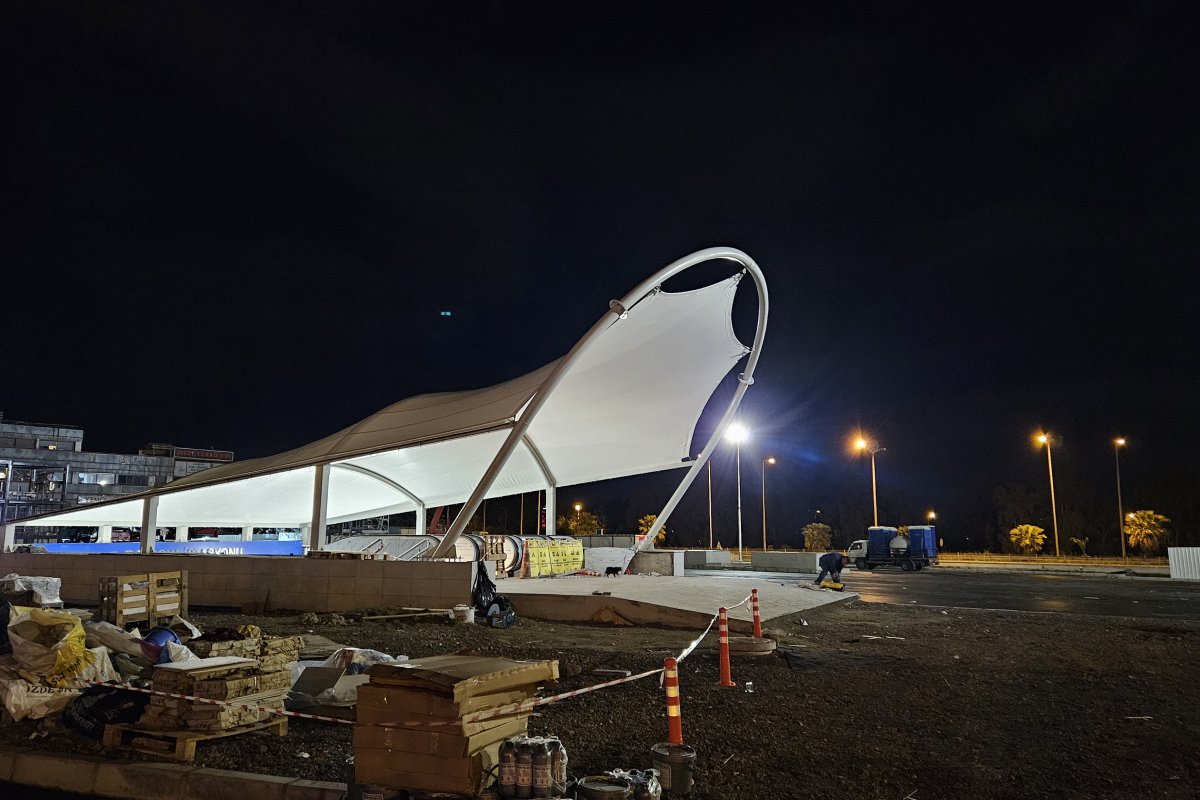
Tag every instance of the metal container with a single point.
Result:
(603, 787)
(674, 763)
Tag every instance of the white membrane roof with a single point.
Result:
(629, 405)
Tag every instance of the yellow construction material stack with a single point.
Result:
(410, 732)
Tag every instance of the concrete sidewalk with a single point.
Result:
(671, 601)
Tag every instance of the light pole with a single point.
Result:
(710, 525)
(737, 433)
(765, 461)
(872, 447)
(1044, 438)
(1118, 443)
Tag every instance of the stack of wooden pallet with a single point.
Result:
(410, 732)
(151, 597)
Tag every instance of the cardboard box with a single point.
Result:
(441, 745)
(463, 677)
(405, 703)
(426, 773)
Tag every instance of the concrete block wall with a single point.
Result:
(785, 562)
(707, 558)
(664, 562)
(296, 584)
(606, 541)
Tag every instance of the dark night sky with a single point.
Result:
(234, 226)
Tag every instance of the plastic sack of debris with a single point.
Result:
(484, 591)
(183, 629)
(114, 638)
(357, 660)
(29, 590)
(22, 699)
(103, 705)
(49, 643)
(5, 609)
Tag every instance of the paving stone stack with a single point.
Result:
(253, 672)
(410, 733)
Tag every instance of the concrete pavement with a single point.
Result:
(1034, 591)
(674, 601)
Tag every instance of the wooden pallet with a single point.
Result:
(180, 745)
(151, 597)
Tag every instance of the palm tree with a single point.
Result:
(1027, 538)
(1145, 530)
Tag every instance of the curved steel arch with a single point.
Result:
(385, 480)
(617, 310)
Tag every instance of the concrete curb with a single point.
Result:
(147, 780)
(1099, 572)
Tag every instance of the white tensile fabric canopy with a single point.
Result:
(628, 404)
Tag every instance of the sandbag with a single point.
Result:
(49, 644)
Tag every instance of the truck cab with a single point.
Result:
(858, 553)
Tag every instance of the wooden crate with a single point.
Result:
(180, 745)
(152, 597)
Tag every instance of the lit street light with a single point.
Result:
(931, 515)
(1118, 443)
(765, 461)
(1043, 438)
(578, 507)
(738, 433)
(872, 447)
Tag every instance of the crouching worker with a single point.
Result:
(832, 565)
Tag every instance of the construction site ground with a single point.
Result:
(863, 701)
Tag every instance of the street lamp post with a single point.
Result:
(710, 523)
(1045, 439)
(737, 433)
(872, 447)
(765, 461)
(931, 515)
(1118, 443)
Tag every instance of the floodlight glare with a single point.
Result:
(737, 433)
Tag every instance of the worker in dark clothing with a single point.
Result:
(831, 564)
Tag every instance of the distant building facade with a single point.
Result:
(46, 469)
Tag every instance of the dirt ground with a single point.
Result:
(943, 704)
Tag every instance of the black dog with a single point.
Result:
(612, 571)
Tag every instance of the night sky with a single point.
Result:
(231, 225)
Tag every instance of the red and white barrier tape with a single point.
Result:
(532, 703)
(211, 702)
(513, 709)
